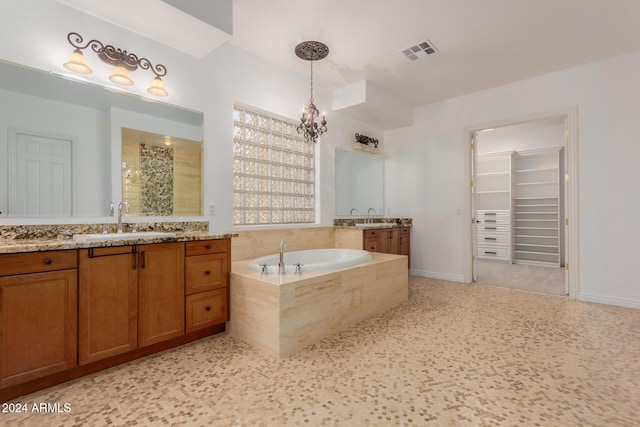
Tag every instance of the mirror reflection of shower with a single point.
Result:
(161, 174)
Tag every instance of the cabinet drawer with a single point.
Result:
(35, 262)
(493, 238)
(489, 221)
(206, 309)
(368, 234)
(497, 253)
(203, 247)
(404, 231)
(206, 272)
(371, 245)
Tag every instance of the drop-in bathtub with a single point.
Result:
(312, 260)
(282, 314)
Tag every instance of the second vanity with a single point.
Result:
(71, 308)
(385, 236)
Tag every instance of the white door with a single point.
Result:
(40, 185)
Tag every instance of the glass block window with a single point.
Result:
(273, 170)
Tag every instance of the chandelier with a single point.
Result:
(308, 127)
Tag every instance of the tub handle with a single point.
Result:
(298, 268)
(264, 268)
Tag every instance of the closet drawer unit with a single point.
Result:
(502, 239)
(493, 214)
(484, 228)
(500, 253)
(490, 222)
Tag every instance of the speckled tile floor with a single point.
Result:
(453, 355)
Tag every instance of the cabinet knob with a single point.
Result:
(208, 308)
(47, 261)
(207, 247)
(207, 272)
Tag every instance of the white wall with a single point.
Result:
(521, 139)
(211, 85)
(432, 154)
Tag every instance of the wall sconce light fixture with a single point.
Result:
(311, 51)
(122, 60)
(366, 143)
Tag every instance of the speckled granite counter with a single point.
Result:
(350, 223)
(33, 238)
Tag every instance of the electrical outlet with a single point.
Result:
(212, 209)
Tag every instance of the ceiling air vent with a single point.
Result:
(420, 50)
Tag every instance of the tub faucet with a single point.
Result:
(126, 208)
(369, 221)
(281, 264)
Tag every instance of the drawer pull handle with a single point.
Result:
(207, 272)
(490, 213)
(490, 238)
(490, 220)
(48, 261)
(207, 247)
(490, 253)
(490, 228)
(208, 308)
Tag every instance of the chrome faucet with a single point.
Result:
(126, 208)
(281, 264)
(369, 221)
(353, 209)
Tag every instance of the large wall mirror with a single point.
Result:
(359, 183)
(61, 144)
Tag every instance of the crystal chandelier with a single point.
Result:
(311, 51)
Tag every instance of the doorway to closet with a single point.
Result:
(518, 205)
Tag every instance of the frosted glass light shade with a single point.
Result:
(78, 63)
(157, 87)
(121, 76)
(376, 150)
(357, 146)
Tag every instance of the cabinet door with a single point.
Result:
(388, 241)
(108, 309)
(38, 325)
(160, 292)
(404, 242)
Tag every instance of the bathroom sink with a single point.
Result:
(100, 237)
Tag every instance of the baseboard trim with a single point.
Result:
(434, 275)
(600, 299)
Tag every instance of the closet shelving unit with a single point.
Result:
(538, 229)
(494, 188)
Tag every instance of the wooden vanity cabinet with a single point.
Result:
(387, 240)
(160, 292)
(207, 266)
(108, 308)
(38, 315)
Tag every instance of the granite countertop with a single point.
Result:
(34, 245)
(350, 223)
(34, 238)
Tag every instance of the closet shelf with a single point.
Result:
(536, 170)
(493, 174)
(534, 235)
(537, 206)
(493, 192)
(537, 253)
(537, 183)
(536, 228)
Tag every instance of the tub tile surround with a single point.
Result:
(281, 315)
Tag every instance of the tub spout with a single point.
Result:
(281, 264)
